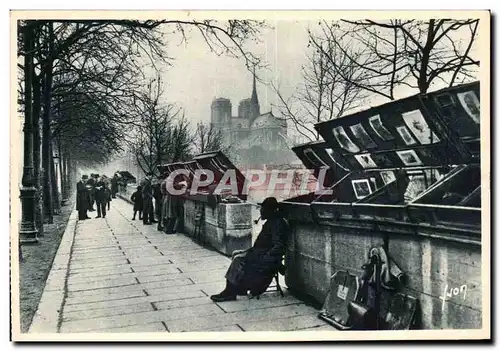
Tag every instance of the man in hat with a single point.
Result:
(82, 198)
(254, 268)
(147, 200)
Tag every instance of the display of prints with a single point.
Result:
(379, 129)
(361, 188)
(388, 177)
(419, 127)
(409, 158)
(405, 135)
(365, 160)
(314, 158)
(330, 153)
(363, 137)
(344, 141)
(471, 105)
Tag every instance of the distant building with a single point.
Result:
(253, 138)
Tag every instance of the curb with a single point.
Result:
(46, 318)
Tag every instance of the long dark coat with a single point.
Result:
(82, 196)
(100, 192)
(255, 269)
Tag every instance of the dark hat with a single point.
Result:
(85, 176)
(270, 203)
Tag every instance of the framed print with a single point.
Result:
(405, 135)
(379, 128)
(344, 141)
(388, 177)
(365, 160)
(329, 152)
(361, 188)
(314, 158)
(409, 158)
(471, 105)
(363, 137)
(419, 127)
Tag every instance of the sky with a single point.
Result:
(198, 75)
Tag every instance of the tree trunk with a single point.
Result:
(36, 152)
(46, 155)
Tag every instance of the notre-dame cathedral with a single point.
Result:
(253, 138)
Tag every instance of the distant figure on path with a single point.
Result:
(82, 198)
(147, 201)
(100, 198)
(253, 269)
(137, 201)
(114, 186)
(91, 189)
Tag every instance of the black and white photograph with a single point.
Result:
(314, 158)
(344, 141)
(406, 135)
(365, 160)
(388, 177)
(379, 128)
(419, 127)
(362, 188)
(409, 158)
(170, 176)
(470, 103)
(362, 136)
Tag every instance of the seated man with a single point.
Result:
(254, 268)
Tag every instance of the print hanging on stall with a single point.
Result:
(405, 135)
(409, 158)
(388, 177)
(314, 158)
(366, 161)
(419, 127)
(344, 141)
(379, 128)
(330, 154)
(361, 188)
(363, 137)
(471, 105)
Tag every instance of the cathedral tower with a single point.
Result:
(254, 101)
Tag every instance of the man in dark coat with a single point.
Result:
(254, 268)
(114, 186)
(82, 198)
(147, 201)
(100, 198)
(91, 189)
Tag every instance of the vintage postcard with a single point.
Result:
(202, 176)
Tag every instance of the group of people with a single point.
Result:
(251, 270)
(94, 190)
(166, 209)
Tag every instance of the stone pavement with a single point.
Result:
(118, 275)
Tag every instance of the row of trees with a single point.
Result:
(351, 63)
(83, 87)
(164, 134)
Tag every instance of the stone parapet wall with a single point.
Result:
(225, 227)
(432, 264)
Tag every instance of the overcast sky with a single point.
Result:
(197, 75)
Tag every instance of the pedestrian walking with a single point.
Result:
(100, 198)
(114, 186)
(82, 198)
(147, 198)
(137, 201)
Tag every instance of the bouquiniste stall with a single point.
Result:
(403, 177)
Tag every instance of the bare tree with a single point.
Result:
(326, 92)
(208, 138)
(388, 55)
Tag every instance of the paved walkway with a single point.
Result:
(118, 275)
